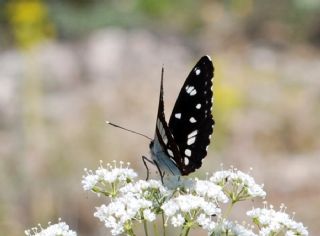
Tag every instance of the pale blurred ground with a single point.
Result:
(56, 94)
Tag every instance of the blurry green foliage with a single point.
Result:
(292, 20)
(72, 18)
(77, 19)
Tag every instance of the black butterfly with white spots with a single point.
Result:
(179, 146)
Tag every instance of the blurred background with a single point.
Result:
(67, 66)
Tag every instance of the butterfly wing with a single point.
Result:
(191, 122)
(163, 148)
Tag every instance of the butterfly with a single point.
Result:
(179, 146)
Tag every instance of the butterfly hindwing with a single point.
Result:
(191, 122)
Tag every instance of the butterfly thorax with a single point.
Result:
(162, 160)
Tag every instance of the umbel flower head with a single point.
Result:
(181, 203)
(59, 229)
(273, 222)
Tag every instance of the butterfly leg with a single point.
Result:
(145, 160)
(160, 173)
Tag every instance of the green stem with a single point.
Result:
(113, 189)
(229, 210)
(185, 231)
(128, 228)
(145, 226)
(130, 232)
(163, 222)
(155, 229)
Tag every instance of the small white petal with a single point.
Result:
(177, 221)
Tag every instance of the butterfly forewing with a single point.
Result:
(164, 148)
(191, 122)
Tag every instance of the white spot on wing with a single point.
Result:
(208, 57)
(198, 106)
(192, 120)
(165, 139)
(170, 152)
(193, 133)
(186, 161)
(189, 88)
(198, 71)
(191, 140)
(187, 152)
(177, 115)
(160, 128)
(193, 92)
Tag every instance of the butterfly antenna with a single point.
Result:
(132, 131)
(162, 72)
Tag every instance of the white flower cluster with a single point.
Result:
(59, 229)
(226, 227)
(273, 222)
(237, 185)
(196, 206)
(136, 202)
(185, 203)
(107, 180)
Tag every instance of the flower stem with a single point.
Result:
(229, 210)
(185, 231)
(145, 226)
(155, 229)
(163, 222)
(130, 232)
